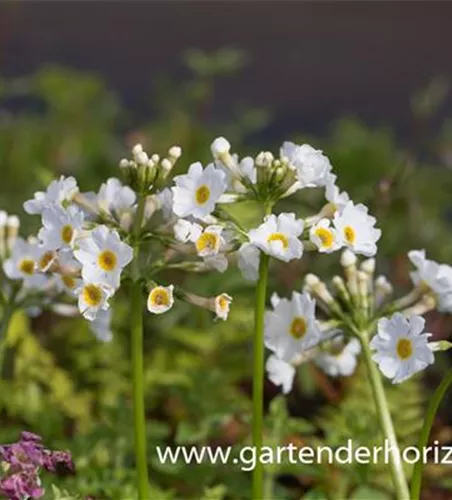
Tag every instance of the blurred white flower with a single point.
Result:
(115, 198)
(278, 236)
(92, 298)
(60, 227)
(197, 192)
(311, 165)
(101, 325)
(401, 348)
(337, 198)
(160, 299)
(248, 259)
(324, 236)
(291, 327)
(355, 229)
(59, 192)
(280, 373)
(22, 264)
(103, 256)
(342, 360)
(222, 305)
(437, 277)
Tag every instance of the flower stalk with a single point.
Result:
(416, 480)
(137, 359)
(385, 420)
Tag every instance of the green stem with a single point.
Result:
(416, 480)
(137, 360)
(258, 375)
(8, 312)
(386, 425)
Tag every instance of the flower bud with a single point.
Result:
(219, 147)
(175, 152)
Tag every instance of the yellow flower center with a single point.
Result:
(202, 194)
(92, 295)
(27, 266)
(46, 260)
(107, 260)
(282, 238)
(159, 296)
(69, 282)
(298, 327)
(325, 236)
(207, 241)
(349, 234)
(67, 233)
(223, 302)
(404, 348)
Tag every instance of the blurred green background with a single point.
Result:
(75, 391)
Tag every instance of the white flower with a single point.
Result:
(59, 192)
(67, 280)
(401, 348)
(160, 299)
(437, 277)
(103, 256)
(333, 194)
(101, 325)
(248, 259)
(291, 327)
(280, 373)
(222, 305)
(116, 199)
(355, 229)
(311, 165)
(341, 363)
(278, 236)
(209, 242)
(22, 264)
(92, 298)
(165, 197)
(197, 192)
(324, 236)
(60, 227)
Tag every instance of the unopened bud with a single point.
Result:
(175, 152)
(368, 266)
(137, 149)
(124, 163)
(348, 258)
(219, 147)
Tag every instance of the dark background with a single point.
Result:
(309, 62)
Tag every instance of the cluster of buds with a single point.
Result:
(22, 463)
(144, 172)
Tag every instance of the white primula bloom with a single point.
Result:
(401, 348)
(197, 192)
(103, 256)
(324, 236)
(209, 242)
(340, 363)
(334, 195)
(291, 327)
(248, 261)
(222, 306)
(101, 325)
(185, 230)
(60, 227)
(165, 197)
(22, 264)
(280, 373)
(115, 198)
(93, 298)
(67, 280)
(311, 165)
(278, 236)
(355, 229)
(160, 299)
(59, 192)
(437, 277)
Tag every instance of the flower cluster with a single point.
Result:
(358, 309)
(22, 463)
